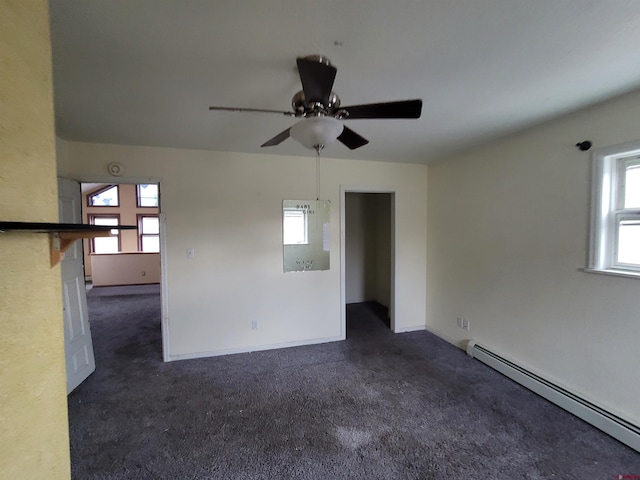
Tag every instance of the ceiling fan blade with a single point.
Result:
(277, 140)
(263, 110)
(317, 79)
(402, 109)
(351, 139)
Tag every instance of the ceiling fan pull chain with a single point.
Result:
(317, 186)
(317, 175)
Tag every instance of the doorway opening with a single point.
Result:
(130, 262)
(113, 287)
(128, 257)
(368, 258)
(127, 262)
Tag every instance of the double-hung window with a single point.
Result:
(615, 222)
(148, 233)
(106, 244)
(147, 195)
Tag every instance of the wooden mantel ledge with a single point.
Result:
(62, 235)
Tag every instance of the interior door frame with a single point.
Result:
(163, 245)
(343, 284)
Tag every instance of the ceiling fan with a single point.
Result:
(321, 112)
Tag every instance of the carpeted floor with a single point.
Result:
(377, 406)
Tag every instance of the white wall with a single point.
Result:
(368, 247)
(228, 207)
(508, 234)
(381, 218)
(355, 245)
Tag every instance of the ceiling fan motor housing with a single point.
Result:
(303, 108)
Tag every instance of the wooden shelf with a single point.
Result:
(62, 235)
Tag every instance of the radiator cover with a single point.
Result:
(617, 427)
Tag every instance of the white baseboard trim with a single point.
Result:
(256, 348)
(413, 328)
(461, 344)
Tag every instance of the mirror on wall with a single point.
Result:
(305, 235)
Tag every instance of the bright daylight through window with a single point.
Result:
(294, 227)
(615, 223)
(149, 233)
(106, 244)
(106, 197)
(147, 195)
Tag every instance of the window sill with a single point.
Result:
(614, 273)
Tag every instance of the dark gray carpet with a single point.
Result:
(377, 406)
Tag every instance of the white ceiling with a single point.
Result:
(144, 72)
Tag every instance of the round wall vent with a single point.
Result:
(115, 169)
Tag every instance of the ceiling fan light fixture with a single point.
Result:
(314, 132)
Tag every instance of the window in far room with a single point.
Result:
(148, 233)
(105, 197)
(105, 244)
(147, 195)
(615, 238)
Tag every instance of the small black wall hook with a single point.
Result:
(584, 146)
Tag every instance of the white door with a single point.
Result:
(78, 346)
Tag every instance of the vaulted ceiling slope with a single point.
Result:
(144, 72)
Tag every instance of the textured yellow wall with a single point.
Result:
(34, 439)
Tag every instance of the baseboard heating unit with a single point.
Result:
(609, 423)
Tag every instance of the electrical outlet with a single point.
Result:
(460, 322)
(466, 325)
(254, 324)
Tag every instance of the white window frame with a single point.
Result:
(609, 166)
